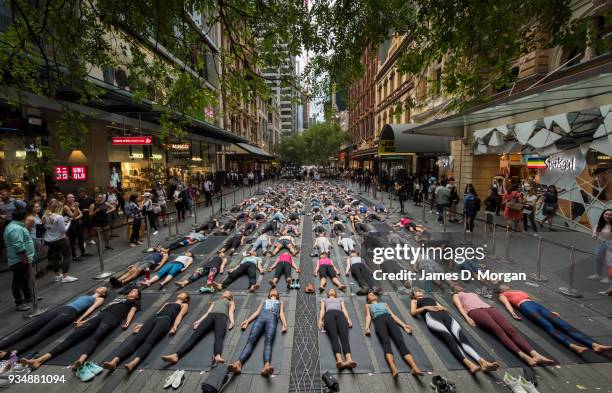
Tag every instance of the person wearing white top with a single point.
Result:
(603, 233)
(55, 237)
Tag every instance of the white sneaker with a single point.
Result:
(155, 233)
(527, 385)
(57, 278)
(605, 280)
(92, 242)
(178, 379)
(67, 279)
(594, 277)
(513, 384)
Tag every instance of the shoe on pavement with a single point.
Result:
(178, 379)
(67, 279)
(441, 385)
(169, 379)
(605, 280)
(22, 307)
(85, 374)
(57, 278)
(92, 242)
(297, 283)
(527, 385)
(514, 384)
(155, 233)
(594, 277)
(94, 368)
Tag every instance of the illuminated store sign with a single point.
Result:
(65, 173)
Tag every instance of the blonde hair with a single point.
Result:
(55, 207)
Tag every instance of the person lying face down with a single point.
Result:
(52, 321)
(120, 312)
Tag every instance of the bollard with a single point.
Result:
(570, 290)
(538, 275)
(507, 247)
(169, 226)
(35, 309)
(103, 274)
(146, 222)
(195, 214)
(493, 240)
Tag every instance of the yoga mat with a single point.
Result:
(68, 357)
(199, 358)
(444, 353)
(414, 347)
(255, 363)
(359, 349)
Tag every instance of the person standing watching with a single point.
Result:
(442, 197)
(56, 227)
(19, 254)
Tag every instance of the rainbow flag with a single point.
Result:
(536, 162)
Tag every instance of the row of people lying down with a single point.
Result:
(92, 329)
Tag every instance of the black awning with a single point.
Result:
(255, 151)
(396, 140)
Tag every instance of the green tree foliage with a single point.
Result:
(314, 146)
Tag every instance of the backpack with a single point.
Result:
(217, 378)
(472, 204)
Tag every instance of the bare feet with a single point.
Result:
(3, 354)
(473, 368)
(76, 364)
(339, 365)
(181, 284)
(132, 365)
(351, 364)
(254, 287)
(111, 365)
(578, 349)
(172, 359)
(394, 371)
(417, 372)
(543, 360)
(488, 366)
(601, 348)
(218, 359)
(531, 361)
(32, 363)
(267, 371)
(272, 283)
(235, 368)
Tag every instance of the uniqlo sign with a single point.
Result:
(132, 140)
(79, 173)
(65, 173)
(61, 173)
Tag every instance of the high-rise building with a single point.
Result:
(281, 79)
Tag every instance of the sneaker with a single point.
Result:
(527, 386)
(22, 307)
(169, 379)
(297, 283)
(94, 368)
(85, 374)
(178, 379)
(92, 242)
(155, 233)
(605, 280)
(57, 278)
(441, 385)
(513, 384)
(594, 277)
(68, 279)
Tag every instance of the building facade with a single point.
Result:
(280, 80)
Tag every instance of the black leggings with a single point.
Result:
(362, 275)
(233, 245)
(337, 329)
(246, 268)
(59, 252)
(271, 226)
(387, 330)
(40, 328)
(75, 235)
(361, 227)
(214, 321)
(92, 333)
(141, 343)
(449, 330)
(282, 268)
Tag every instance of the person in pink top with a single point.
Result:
(478, 313)
(409, 225)
(326, 269)
(283, 265)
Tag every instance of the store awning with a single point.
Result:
(255, 151)
(397, 140)
(594, 82)
(364, 152)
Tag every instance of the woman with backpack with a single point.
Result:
(471, 207)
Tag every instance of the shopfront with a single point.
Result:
(244, 158)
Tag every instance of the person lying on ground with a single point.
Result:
(249, 227)
(209, 269)
(358, 224)
(154, 261)
(227, 228)
(319, 229)
(409, 224)
(232, 244)
(337, 227)
(249, 265)
(548, 320)
(265, 320)
(283, 265)
(92, 331)
(479, 313)
(291, 228)
(321, 244)
(335, 320)
(219, 318)
(262, 241)
(208, 226)
(347, 243)
(278, 216)
(287, 242)
(171, 269)
(361, 274)
(387, 326)
(271, 226)
(187, 240)
(326, 269)
(146, 335)
(443, 325)
(52, 321)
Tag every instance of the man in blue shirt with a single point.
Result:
(19, 254)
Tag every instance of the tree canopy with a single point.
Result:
(314, 146)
